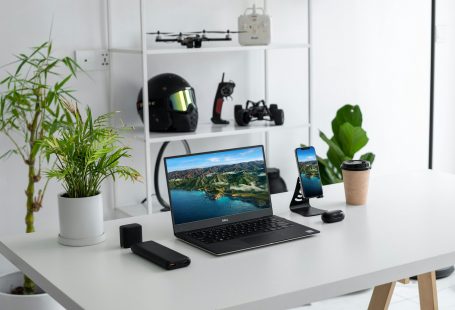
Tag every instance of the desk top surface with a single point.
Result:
(406, 228)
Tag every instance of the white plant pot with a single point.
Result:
(40, 301)
(81, 220)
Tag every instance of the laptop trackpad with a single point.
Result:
(263, 239)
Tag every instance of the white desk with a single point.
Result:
(407, 228)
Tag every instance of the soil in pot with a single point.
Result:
(38, 301)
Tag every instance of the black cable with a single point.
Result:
(156, 185)
(162, 202)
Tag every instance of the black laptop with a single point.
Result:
(220, 202)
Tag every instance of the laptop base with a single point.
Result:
(301, 205)
(296, 231)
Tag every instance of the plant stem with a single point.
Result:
(29, 286)
(29, 217)
(30, 191)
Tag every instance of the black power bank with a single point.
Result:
(160, 255)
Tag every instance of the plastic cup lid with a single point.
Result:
(356, 165)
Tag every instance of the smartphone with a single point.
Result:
(310, 179)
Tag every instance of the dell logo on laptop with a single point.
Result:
(224, 220)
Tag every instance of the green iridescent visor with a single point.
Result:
(182, 100)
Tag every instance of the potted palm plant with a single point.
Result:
(31, 109)
(88, 152)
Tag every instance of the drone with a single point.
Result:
(192, 39)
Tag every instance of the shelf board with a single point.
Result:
(208, 49)
(209, 130)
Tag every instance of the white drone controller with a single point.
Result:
(254, 28)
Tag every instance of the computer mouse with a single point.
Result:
(332, 216)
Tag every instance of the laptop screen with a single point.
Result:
(217, 184)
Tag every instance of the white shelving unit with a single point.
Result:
(204, 130)
(218, 49)
(209, 130)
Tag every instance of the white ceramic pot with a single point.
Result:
(40, 301)
(81, 220)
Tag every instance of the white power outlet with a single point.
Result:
(92, 60)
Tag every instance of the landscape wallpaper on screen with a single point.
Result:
(309, 173)
(217, 184)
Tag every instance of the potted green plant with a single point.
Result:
(31, 109)
(348, 138)
(87, 152)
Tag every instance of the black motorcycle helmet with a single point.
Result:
(172, 104)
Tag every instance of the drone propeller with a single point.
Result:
(188, 33)
(221, 32)
(180, 34)
(159, 32)
(215, 31)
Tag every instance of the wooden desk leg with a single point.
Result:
(381, 297)
(427, 291)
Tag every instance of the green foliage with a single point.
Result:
(87, 152)
(30, 110)
(348, 138)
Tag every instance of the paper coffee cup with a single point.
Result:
(355, 176)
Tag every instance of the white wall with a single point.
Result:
(376, 54)
(373, 53)
(444, 100)
(77, 25)
(81, 25)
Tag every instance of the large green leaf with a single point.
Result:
(368, 156)
(346, 114)
(336, 160)
(335, 154)
(327, 176)
(332, 145)
(351, 139)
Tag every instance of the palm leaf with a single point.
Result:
(89, 152)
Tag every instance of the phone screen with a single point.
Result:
(310, 179)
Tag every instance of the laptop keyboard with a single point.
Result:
(239, 230)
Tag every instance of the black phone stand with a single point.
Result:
(301, 205)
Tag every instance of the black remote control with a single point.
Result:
(224, 90)
(160, 255)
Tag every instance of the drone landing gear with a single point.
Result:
(301, 205)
